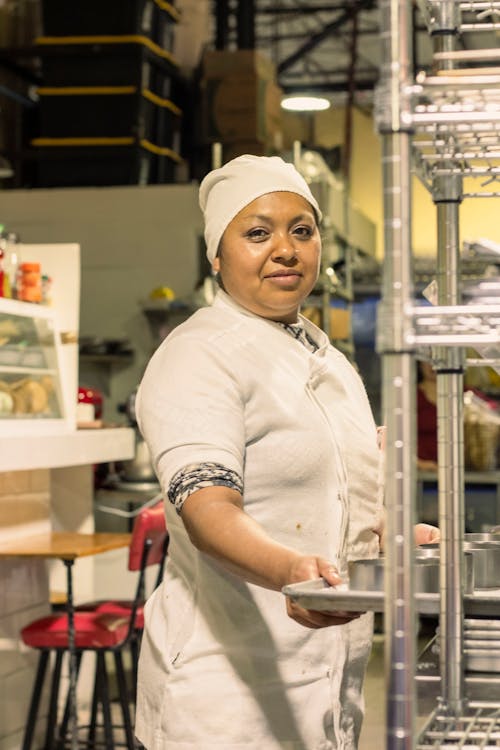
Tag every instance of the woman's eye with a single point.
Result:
(257, 234)
(304, 232)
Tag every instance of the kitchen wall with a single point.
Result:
(132, 240)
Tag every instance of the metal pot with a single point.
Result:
(140, 468)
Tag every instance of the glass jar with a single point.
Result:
(29, 285)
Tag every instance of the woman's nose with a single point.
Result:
(284, 249)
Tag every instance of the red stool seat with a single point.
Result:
(92, 630)
(115, 607)
(104, 627)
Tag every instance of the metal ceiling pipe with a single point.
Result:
(398, 373)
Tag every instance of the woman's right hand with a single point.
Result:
(306, 568)
(218, 526)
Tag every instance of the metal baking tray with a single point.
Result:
(480, 644)
(317, 594)
(481, 624)
(482, 660)
(491, 636)
(320, 596)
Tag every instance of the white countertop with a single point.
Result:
(25, 452)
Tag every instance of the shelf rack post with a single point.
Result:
(449, 380)
(447, 194)
(398, 376)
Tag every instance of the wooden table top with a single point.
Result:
(66, 545)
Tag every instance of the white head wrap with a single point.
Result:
(226, 191)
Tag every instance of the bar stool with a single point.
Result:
(109, 626)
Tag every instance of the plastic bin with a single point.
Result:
(108, 111)
(107, 61)
(102, 162)
(154, 19)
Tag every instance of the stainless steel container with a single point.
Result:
(486, 557)
(487, 536)
(368, 575)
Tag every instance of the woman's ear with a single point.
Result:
(216, 264)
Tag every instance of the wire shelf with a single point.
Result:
(459, 325)
(456, 120)
(471, 16)
(477, 726)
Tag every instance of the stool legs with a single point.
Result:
(103, 692)
(54, 694)
(63, 728)
(124, 701)
(100, 698)
(35, 699)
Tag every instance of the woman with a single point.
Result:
(265, 446)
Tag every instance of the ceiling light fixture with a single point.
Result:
(304, 103)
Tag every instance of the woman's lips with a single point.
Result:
(286, 278)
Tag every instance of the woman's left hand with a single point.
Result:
(424, 533)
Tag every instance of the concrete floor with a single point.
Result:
(373, 732)
(373, 735)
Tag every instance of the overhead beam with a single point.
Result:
(320, 36)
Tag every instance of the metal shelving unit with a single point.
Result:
(447, 126)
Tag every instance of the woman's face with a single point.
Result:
(270, 254)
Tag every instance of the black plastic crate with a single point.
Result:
(103, 62)
(155, 19)
(108, 111)
(91, 165)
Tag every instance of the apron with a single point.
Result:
(222, 665)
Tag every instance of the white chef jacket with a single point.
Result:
(222, 665)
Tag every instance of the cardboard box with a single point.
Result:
(340, 321)
(240, 108)
(221, 63)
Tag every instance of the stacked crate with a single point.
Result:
(107, 115)
(241, 102)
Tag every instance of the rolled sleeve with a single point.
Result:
(190, 410)
(197, 476)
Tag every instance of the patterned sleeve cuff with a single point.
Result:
(196, 476)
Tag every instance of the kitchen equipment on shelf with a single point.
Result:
(368, 575)
(138, 469)
(486, 557)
